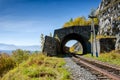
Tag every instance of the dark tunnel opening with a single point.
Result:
(70, 37)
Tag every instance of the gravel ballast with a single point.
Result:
(78, 72)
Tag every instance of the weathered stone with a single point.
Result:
(106, 44)
(117, 45)
(109, 22)
(80, 33)
(51, 46)
(81, 30)
(56, 44)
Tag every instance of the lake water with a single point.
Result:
(6, 51)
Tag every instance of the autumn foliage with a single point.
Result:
(80, 21)
(6, 63)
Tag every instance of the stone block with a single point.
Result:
(50, 46)
(106, 44)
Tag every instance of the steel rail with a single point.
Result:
(99, 63)
(104, 72)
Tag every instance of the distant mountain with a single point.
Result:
(14, 47)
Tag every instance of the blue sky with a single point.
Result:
(22, 21)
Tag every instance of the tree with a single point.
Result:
(42, 40)
(80, 21)
(56, 36)
(69, 23)
(77, 21)
(96, 21)
(50, 34)
(19, 55)
(72, 49)
(88, 22)
(71, 20)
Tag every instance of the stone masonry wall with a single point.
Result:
(51, 46)
(81, 30)
(105, 42)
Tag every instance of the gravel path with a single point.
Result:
(77, 72)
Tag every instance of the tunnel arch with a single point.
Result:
(73, 36)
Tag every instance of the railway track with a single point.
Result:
(101, 70)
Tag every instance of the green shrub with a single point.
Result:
(19, 55)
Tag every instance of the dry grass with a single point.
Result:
(102, 36)
(6, 63)
(39, 67)
(112, 57)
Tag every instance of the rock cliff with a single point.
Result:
(108, 13)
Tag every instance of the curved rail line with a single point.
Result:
(107, 70)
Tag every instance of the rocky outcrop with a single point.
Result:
(109, 19)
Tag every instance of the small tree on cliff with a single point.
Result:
(50, 34)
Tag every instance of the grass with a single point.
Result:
(79, 52)
(6, 63)
(112, 57)
(39, 67)
(103, 36)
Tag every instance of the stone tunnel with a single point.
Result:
(81, 34)
(56, 44)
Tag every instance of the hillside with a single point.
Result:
(37, 67)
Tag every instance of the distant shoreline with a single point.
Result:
(10, 51)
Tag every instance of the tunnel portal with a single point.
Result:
(55, 45)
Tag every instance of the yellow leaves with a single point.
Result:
(72, 49)
(67, 24)
(56, 36)
(118, 18)
(96, 21)
(80, 21)
(102, 36)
